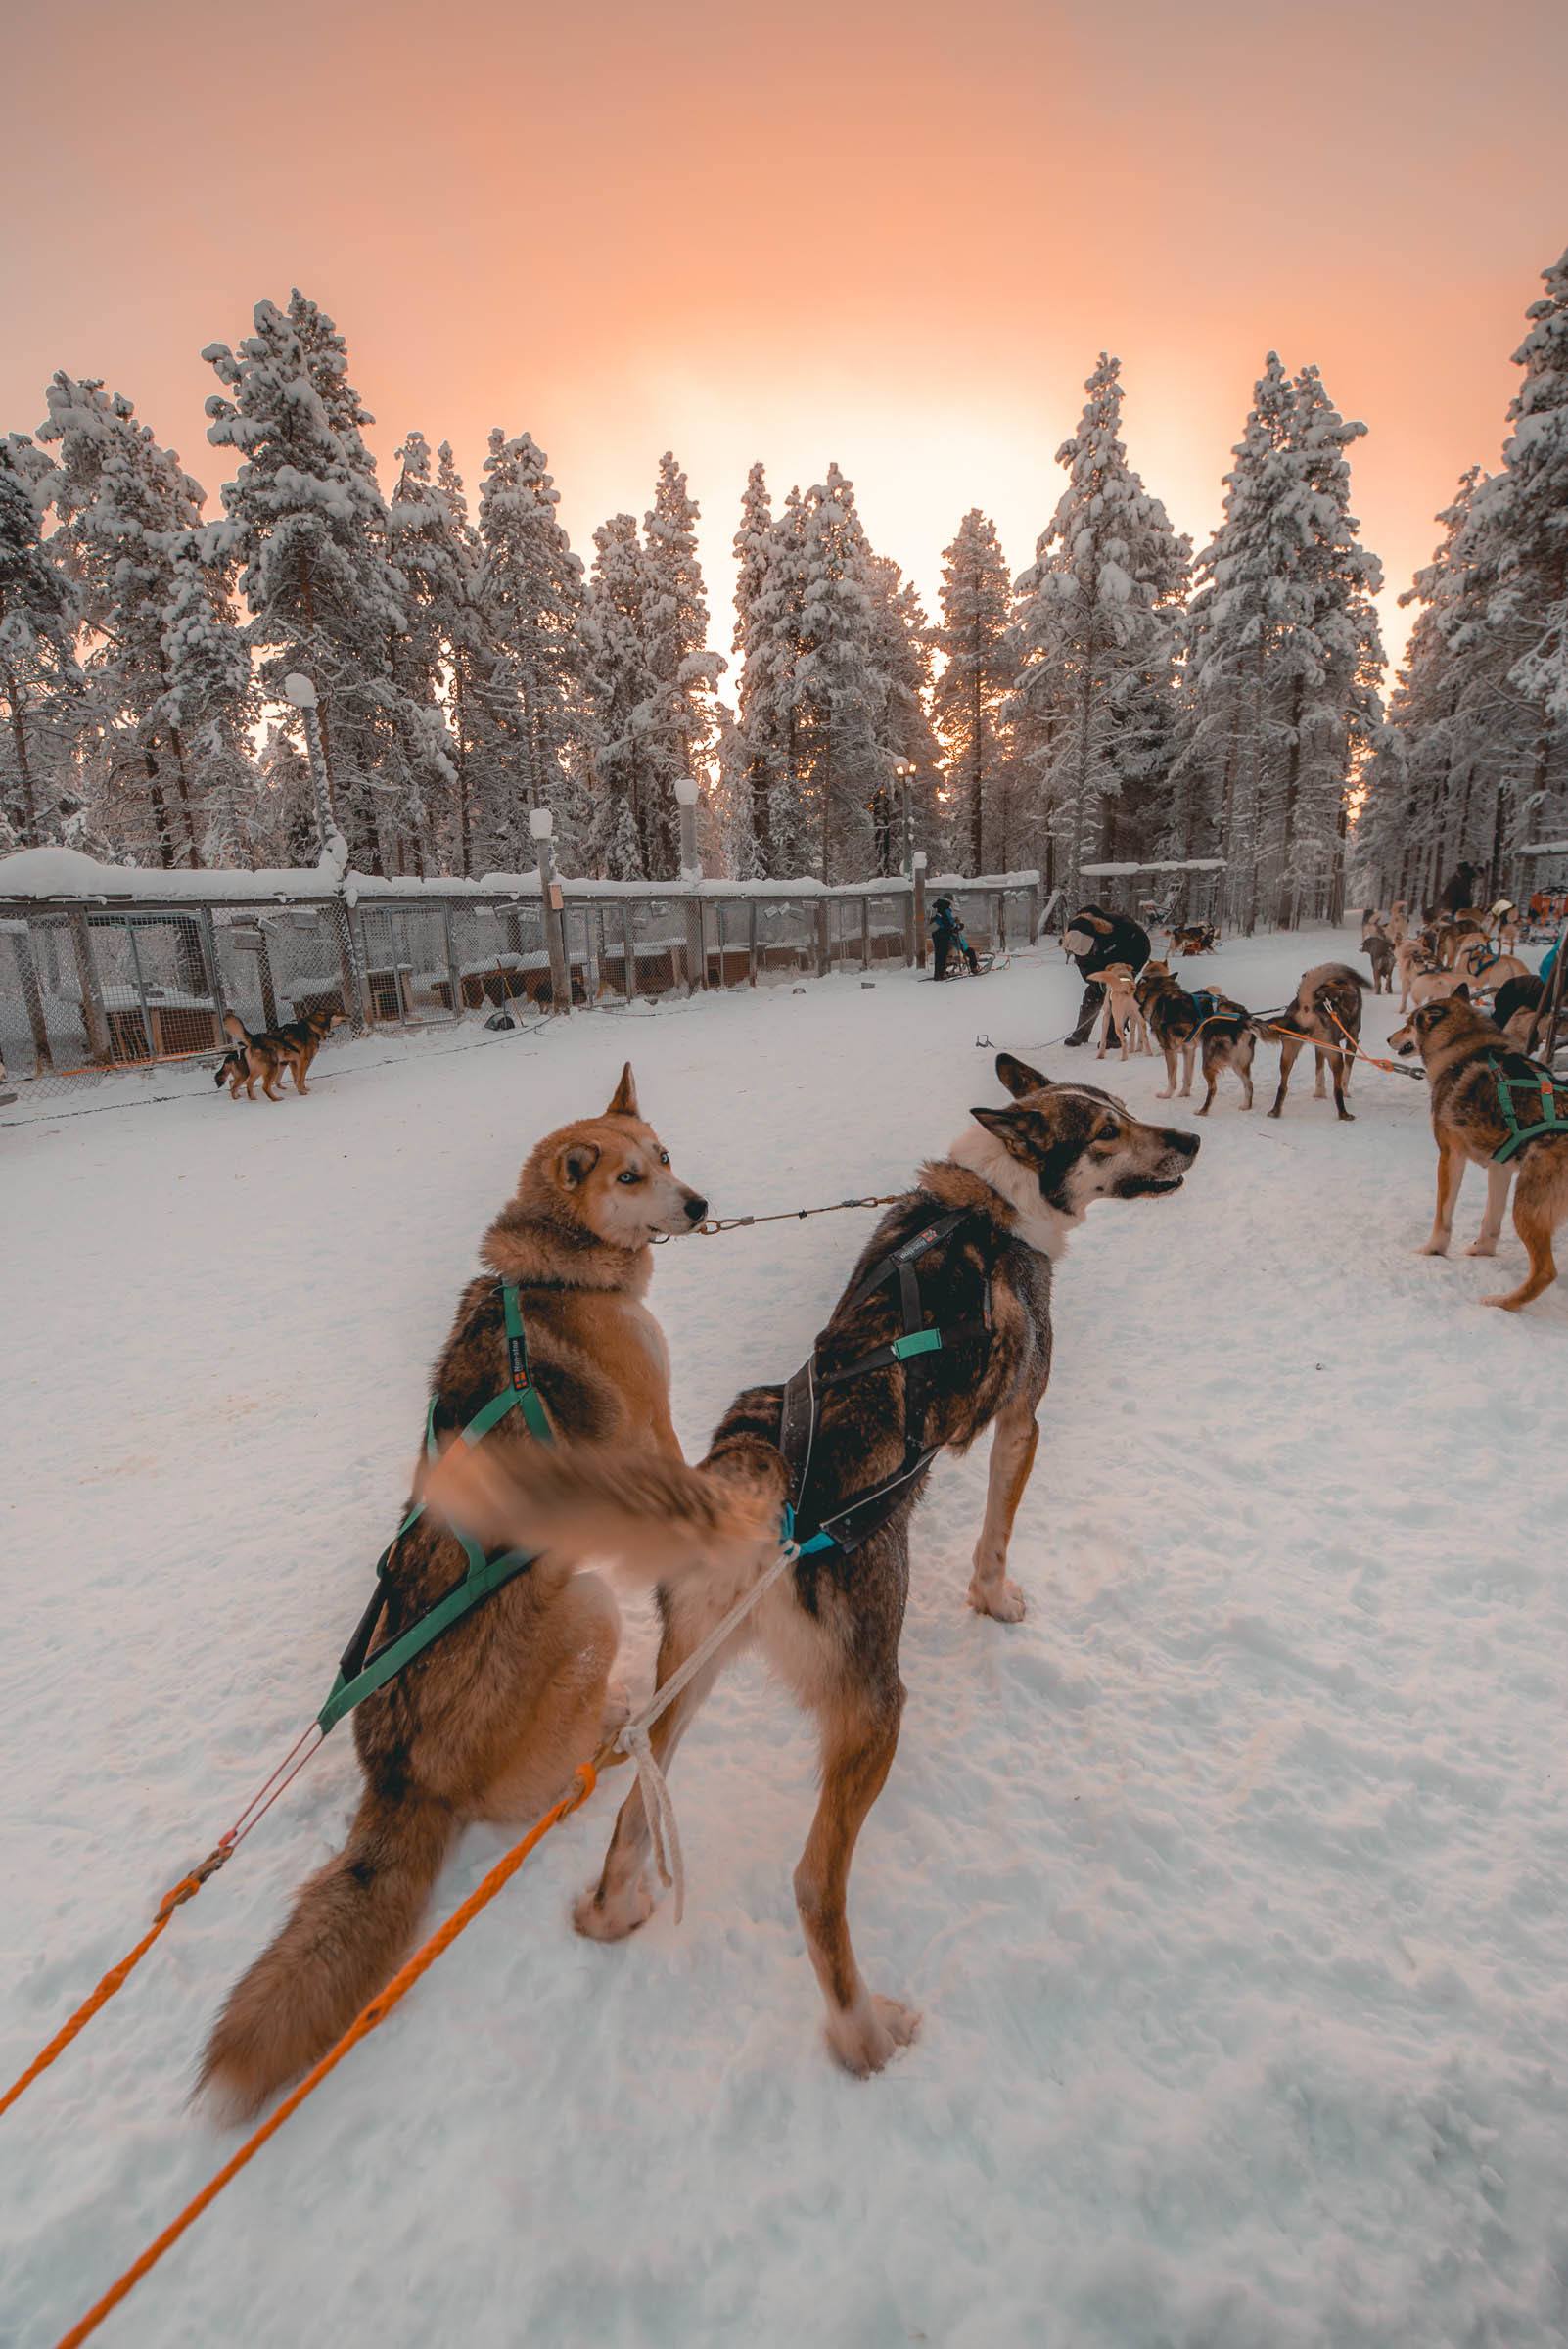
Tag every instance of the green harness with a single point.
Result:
(1538, 1083)
(359, 1678)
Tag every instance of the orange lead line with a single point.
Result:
(380, 2007)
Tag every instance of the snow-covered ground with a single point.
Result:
(1231, 1884)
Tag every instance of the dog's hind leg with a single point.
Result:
(623, 1899)
(1245, 1050)
(1318, 1088)
(1188, 1054)
(859, 1738)
(1338, 1066)
(1485, 1242)
(1169, 1073)
(1289, 1051)
(1013, 1445)
(1538, 1208)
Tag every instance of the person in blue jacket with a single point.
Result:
(946, 934)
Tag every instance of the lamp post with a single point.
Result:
(691, 872)
(904, 770)
(302, 694)
(552, 910)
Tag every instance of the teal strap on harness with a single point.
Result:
(359, 1674)
(1539, 1083)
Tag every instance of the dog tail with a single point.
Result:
(235, 1027)
(652, 1516)
(349, 1925)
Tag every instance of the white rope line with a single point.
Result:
(657, 1808)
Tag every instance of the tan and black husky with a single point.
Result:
(491, 1721)
(1326, 1012)
(977, 1237)
(271, 1050)
(1464, 1055)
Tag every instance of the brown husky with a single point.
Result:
(972, 1249)
(271, 1050)
(491, 1719)
(1326, 1012)
(1465, 1055)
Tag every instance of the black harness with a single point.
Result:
(846, 1528)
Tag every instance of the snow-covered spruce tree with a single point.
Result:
(307, 527)
(41, 687)
(682, 724)
(128, 514)
(900, 659)
(1433, 785)
(973, 639)
(767, 660)
(1243, 603)
(1331, 662)
(1095, 646)
(212, 698)
(434, 550)
(730, 809)
(622, 692)
(326, 358)
(1516, 541)
(837, 760)
(532, 594)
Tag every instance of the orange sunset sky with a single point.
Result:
(892, 235)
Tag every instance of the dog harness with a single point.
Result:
(845, 1529)
(1537, 1085)
(360, 1674)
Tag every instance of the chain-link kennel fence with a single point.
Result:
(117, 976)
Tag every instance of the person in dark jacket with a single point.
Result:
(1459, 887)
(948, 934)
(1095, 939)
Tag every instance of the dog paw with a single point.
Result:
(1482, 1248)
(1001, 1599)
(1166, 1096)
(612, 1918)
(868, 2038)
(1433, 1248)
(1504, 1304)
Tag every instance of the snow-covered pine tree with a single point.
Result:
(1330, 662)
(682, 722)
(532, 594)
(128, 514)
(900, 659)
(837, 761)
(211, 697)
(731, 806)
(760, 646)
(1243, 603)
(433, 550)
(973, 639)
(622, 692)
(307, 526)
(42, 685)
(1095, 641)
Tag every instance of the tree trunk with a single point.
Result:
(154, 792)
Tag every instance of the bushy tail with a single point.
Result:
(349, 1925)
(643, 1511)
(234, 1025)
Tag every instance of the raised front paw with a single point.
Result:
(997, 1597)
(865, 2039)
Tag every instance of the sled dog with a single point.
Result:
(1326, 1012)
(267, 1054)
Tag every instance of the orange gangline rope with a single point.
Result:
(364, 2022)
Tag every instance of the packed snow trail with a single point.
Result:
(1230, 1884)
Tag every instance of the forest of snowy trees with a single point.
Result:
(1122, 699)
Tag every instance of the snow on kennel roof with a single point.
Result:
(1125, 872)
(67, 873)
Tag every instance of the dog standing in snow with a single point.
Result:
(973, 1246)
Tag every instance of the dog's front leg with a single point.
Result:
(1170, 1074)
(1013, 1445)
(1499, 1179)
(1450, 1173)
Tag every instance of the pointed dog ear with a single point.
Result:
(576, 1162)
(1009, 1125)
(1462, 994)
(623, 1100)
(1018, 1077)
